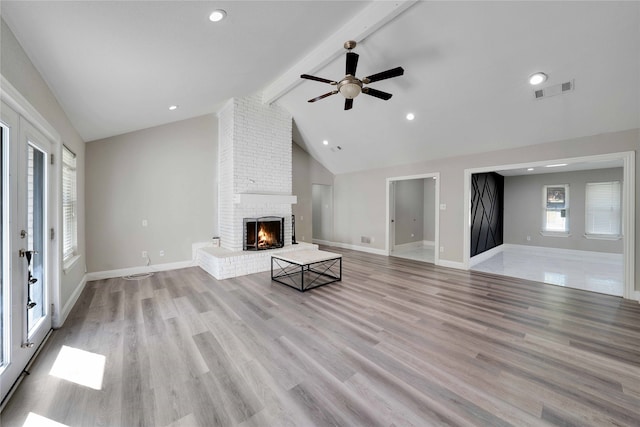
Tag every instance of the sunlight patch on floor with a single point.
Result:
(80, 367)
(35, 420)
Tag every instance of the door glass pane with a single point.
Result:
(35, 234)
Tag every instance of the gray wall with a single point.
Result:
(523, 210)
(306, 171)
(166, 175)
(363, 194)
(409, 211)
(16, 67)
(429, 227)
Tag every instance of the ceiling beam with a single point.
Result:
(369, 20)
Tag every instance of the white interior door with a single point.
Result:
(322, 212)
(26, 247)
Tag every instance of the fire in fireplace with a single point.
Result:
(263, 233)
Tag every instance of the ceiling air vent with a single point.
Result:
(558, 89)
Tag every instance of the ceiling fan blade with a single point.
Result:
(352, 63)
(318, 98)
(348, 104)
(377, 93)
(394, 72)
(318, 79)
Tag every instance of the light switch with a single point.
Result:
(443, 207)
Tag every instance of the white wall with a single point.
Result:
(523, 210)
(429, 226)
(306, 171)
(17, 68)
(363, 194)
(166, 175)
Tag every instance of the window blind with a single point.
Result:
(603, 208)
(69, 204)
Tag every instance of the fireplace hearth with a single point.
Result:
(263, 233)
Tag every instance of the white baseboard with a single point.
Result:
(428, 243)
(352, 247)
(565, 252)
(61, 316)
(99, 275)
(475, 260)
(451, 264)
(323, 242)
(408, 246)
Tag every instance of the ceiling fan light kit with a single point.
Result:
(350, 86)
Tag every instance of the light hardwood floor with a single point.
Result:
(396, 343)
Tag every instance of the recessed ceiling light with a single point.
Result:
(173, 107)
(411, 116)
(217, 15)
(556, 165)
(325, 142)
(537, 78)
(530, 169)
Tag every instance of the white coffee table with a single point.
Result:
(304, 270)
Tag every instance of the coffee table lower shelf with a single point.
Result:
(304, 270)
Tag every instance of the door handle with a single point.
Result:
(22, 253)
(30, 279)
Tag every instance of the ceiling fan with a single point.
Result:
(350, 86)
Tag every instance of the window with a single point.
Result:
(555, 221)
(69, 205)
(603, 209)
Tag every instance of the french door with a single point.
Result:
(26, 248)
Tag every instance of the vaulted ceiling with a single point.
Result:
(116, 67)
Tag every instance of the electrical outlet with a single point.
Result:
(528, 238)
(161, 253)
(144, 254)
(441, 249)
(145, 223)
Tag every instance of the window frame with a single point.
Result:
(602, 236)
(563, 204)
(69, 201)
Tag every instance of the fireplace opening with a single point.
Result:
(263, 233)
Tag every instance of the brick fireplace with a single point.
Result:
(254, 181)
(254, 154)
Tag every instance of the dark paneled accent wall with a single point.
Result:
(487, 201)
